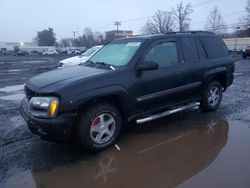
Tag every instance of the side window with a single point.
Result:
(189, 49)
(215, 47)
(164, 53)
(201, 49)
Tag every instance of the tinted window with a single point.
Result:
(215, 46)
(164, 54)
(190, 49)
(201, 50)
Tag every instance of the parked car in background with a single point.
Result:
(73, 52)
(246, 52)
(21, 53)
(76, 60)
(9, 52)
(50, 52)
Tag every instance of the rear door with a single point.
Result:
(192, 65)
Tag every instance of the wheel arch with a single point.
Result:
(220, 75)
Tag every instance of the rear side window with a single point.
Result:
(215, 47)
(163, 53)
(189, 49)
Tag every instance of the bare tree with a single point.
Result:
(161, 22)
(245, 20)
(215, 22)
(65, 42)
(182, 15)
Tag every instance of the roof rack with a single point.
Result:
(190, 32)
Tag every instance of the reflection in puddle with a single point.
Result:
(174, 156)
(14, 70)
(14, 97)
(12, 88)
(163, 158)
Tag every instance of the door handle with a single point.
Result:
(177, 74)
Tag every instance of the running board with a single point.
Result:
(168, 112)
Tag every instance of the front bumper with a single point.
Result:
(58, 129)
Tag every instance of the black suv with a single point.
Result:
(132, 79)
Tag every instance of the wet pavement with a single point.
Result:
(189, 149)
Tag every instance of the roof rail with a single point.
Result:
(190, 32)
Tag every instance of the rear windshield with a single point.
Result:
(215, 47)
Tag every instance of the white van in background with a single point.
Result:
(76, 60)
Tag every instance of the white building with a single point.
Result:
(26, 46)
(237, 44)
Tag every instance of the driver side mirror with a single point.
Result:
(146, 66)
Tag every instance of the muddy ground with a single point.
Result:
(190, 149)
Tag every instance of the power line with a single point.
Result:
(226, 15)
(147, 17)
(228, 26)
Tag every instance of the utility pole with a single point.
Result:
(117, 24)
(74, 34)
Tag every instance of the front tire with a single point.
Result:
(99, 127)
(212, 97)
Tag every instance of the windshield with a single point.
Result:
(117, 53)
(90, 51)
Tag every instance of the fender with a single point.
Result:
(209, 75)
(215, 71)
(106, 91)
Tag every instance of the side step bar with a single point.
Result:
(168, 112)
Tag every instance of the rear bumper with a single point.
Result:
(58, 129)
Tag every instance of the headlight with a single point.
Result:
(46, 107)
(244, 50)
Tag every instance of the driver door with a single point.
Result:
(160, 87)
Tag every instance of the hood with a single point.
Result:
(84, 59)
(72, 60)
(56, 79)
(76, 60)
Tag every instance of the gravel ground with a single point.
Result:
(190, 149)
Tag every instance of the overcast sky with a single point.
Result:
(21, 19)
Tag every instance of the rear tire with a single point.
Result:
(99, 127)
(212, 97)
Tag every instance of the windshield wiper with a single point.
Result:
(106, 65)
(88, 63)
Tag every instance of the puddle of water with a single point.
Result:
(161, 158)
(32, 62)
(208, 153)
(238, 74)
(14, 70)
(12, 88)
(231, 168)
(14, 97)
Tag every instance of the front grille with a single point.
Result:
(29, 93)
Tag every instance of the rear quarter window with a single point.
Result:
(189, 49)
(215, 47)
